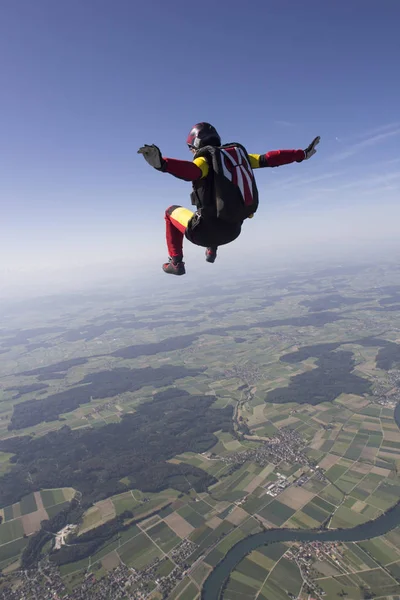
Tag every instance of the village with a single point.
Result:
(121, 582)
(306, 554)
(388, 396)
(286, 445)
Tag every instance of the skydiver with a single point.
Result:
(224, 190)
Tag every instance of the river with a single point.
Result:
(214, 582)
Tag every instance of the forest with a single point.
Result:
(26, 389)
(183, 341)
(387, 357)
(23, 336)
(104, 384)
(332, 377)
(305, 352)
(94, 460)
(56, 368)
(331, 301)
(91, 331)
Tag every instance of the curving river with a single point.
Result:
(213, 584)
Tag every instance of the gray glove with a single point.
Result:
(152, 154)
(310, 150)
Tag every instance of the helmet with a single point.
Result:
(203, 134)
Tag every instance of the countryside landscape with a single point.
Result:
(146, 444)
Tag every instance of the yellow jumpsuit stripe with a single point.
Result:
(202, 163)
(182, 215)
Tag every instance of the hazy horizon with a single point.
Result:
(121, 275)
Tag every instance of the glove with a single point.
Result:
(152, 154)
(310, 150)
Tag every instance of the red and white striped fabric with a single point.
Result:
(237, 169)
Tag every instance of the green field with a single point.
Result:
(92, 518)
(191, 516)
(10, 531)
(139, 552)
(237, 588)
(345, 517)
(53, 510)
(259, 575)
(12, 541)
(273, 551)
(381, 551)
(28, 504)
(317, 511)
(252, 569)
(12, 549)
(286, 576)
(8, 513)
(163, 536)
(277, 513)
(126, 501)
(52, 497)
(189, 593)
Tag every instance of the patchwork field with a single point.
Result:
(23, 519)
(355, 570)
(355, 487)
(365, 569)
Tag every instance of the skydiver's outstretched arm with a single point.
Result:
(189, 171)
(182, 169)
(277, 158)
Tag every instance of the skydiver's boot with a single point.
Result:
(174, 266)
(211, 254)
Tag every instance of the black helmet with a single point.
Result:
(203, 134)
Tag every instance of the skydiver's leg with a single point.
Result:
(211, 253)
(176, 221)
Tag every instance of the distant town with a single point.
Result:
(286, 445)
(388, 393)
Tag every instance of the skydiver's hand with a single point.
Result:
(152, 154)
(310, 150)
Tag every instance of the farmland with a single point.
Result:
(23, 519)
(277, 570)
(289, 455)
(350, 492)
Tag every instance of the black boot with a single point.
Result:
(174, 266)
(211, 254)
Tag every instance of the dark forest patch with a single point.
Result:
(25, 335)
(94, 460)
(26, 389)
(332, 377)
(105, 384)
(183, 341)
(331, 301)
(57, 368)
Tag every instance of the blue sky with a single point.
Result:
(84, 83)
